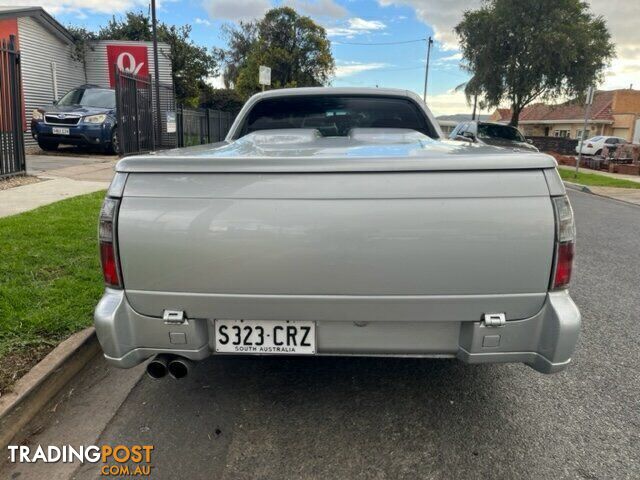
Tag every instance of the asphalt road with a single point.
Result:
(346, 418)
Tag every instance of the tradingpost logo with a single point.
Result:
(118, 460)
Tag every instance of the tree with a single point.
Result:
(241, 41)
(223, 99)
(523, 50)
(191, 64)
(293, 46)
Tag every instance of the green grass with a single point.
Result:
(50, 277)
(595, 180)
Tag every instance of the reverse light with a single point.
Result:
(106, 236)
(37, 114)
(565, 242)
(95, 118)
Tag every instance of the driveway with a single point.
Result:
(73, 164)
(270, 417)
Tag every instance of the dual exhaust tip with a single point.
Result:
(163, 364)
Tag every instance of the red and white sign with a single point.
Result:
(129, 58)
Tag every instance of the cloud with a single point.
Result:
(346, 69)
(441, 15)
(80, 7)
(456, 57)
(202, 21)
(236, 10)
(448, 103)
(623, 72)
(318, 8)
(621, 17)
(355, 26)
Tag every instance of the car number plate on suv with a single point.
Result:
(60, 131)
(265, 337)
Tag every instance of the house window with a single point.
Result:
(579, 134)
(562, 133)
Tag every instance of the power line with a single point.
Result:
(380, 43)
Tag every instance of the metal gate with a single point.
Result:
(12, 122)
(139, 128)
(134, 109)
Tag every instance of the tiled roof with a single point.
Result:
(504, 113)
(571, 110)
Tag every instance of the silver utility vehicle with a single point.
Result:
(337, 221)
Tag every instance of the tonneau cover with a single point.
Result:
(364, 150)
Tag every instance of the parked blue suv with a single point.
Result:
(84, 116)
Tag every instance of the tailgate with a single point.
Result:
(337, 246)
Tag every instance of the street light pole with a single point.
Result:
(587, 113)
(426, 70)
(156, 67)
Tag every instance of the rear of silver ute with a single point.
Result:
(465, 264)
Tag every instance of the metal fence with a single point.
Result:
(198, 126)
(12, 121)
(139, 128)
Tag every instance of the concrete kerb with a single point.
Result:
(32, 392)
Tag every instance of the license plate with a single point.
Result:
(60, 131)
(265, 337)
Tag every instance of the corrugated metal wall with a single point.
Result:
(98, 70)
(39, 49)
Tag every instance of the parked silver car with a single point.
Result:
(335, 221)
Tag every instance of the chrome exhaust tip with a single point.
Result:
(158, 366)
(180, 367)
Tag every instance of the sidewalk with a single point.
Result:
(62, 177)
(27, 197)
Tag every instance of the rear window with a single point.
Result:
(595, 139)
(335, 115)
(499, 131)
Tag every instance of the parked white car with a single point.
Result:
(595, 145)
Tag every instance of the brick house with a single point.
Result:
(614, 112)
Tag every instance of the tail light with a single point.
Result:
(589, 145)
(565, 241)
(107, 233)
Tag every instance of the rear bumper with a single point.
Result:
(545, 341)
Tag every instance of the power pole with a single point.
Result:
(587, 113)
(156, 67)
(426, 70)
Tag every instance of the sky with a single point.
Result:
(374, 42)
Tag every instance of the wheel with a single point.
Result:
(114, 147)
(48, 146)
(598, 153)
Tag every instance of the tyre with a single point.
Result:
(48, 146)
(598, 153)
(114, 146)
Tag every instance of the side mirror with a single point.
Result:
(470, 136)
(529, 141)
(55, 102)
